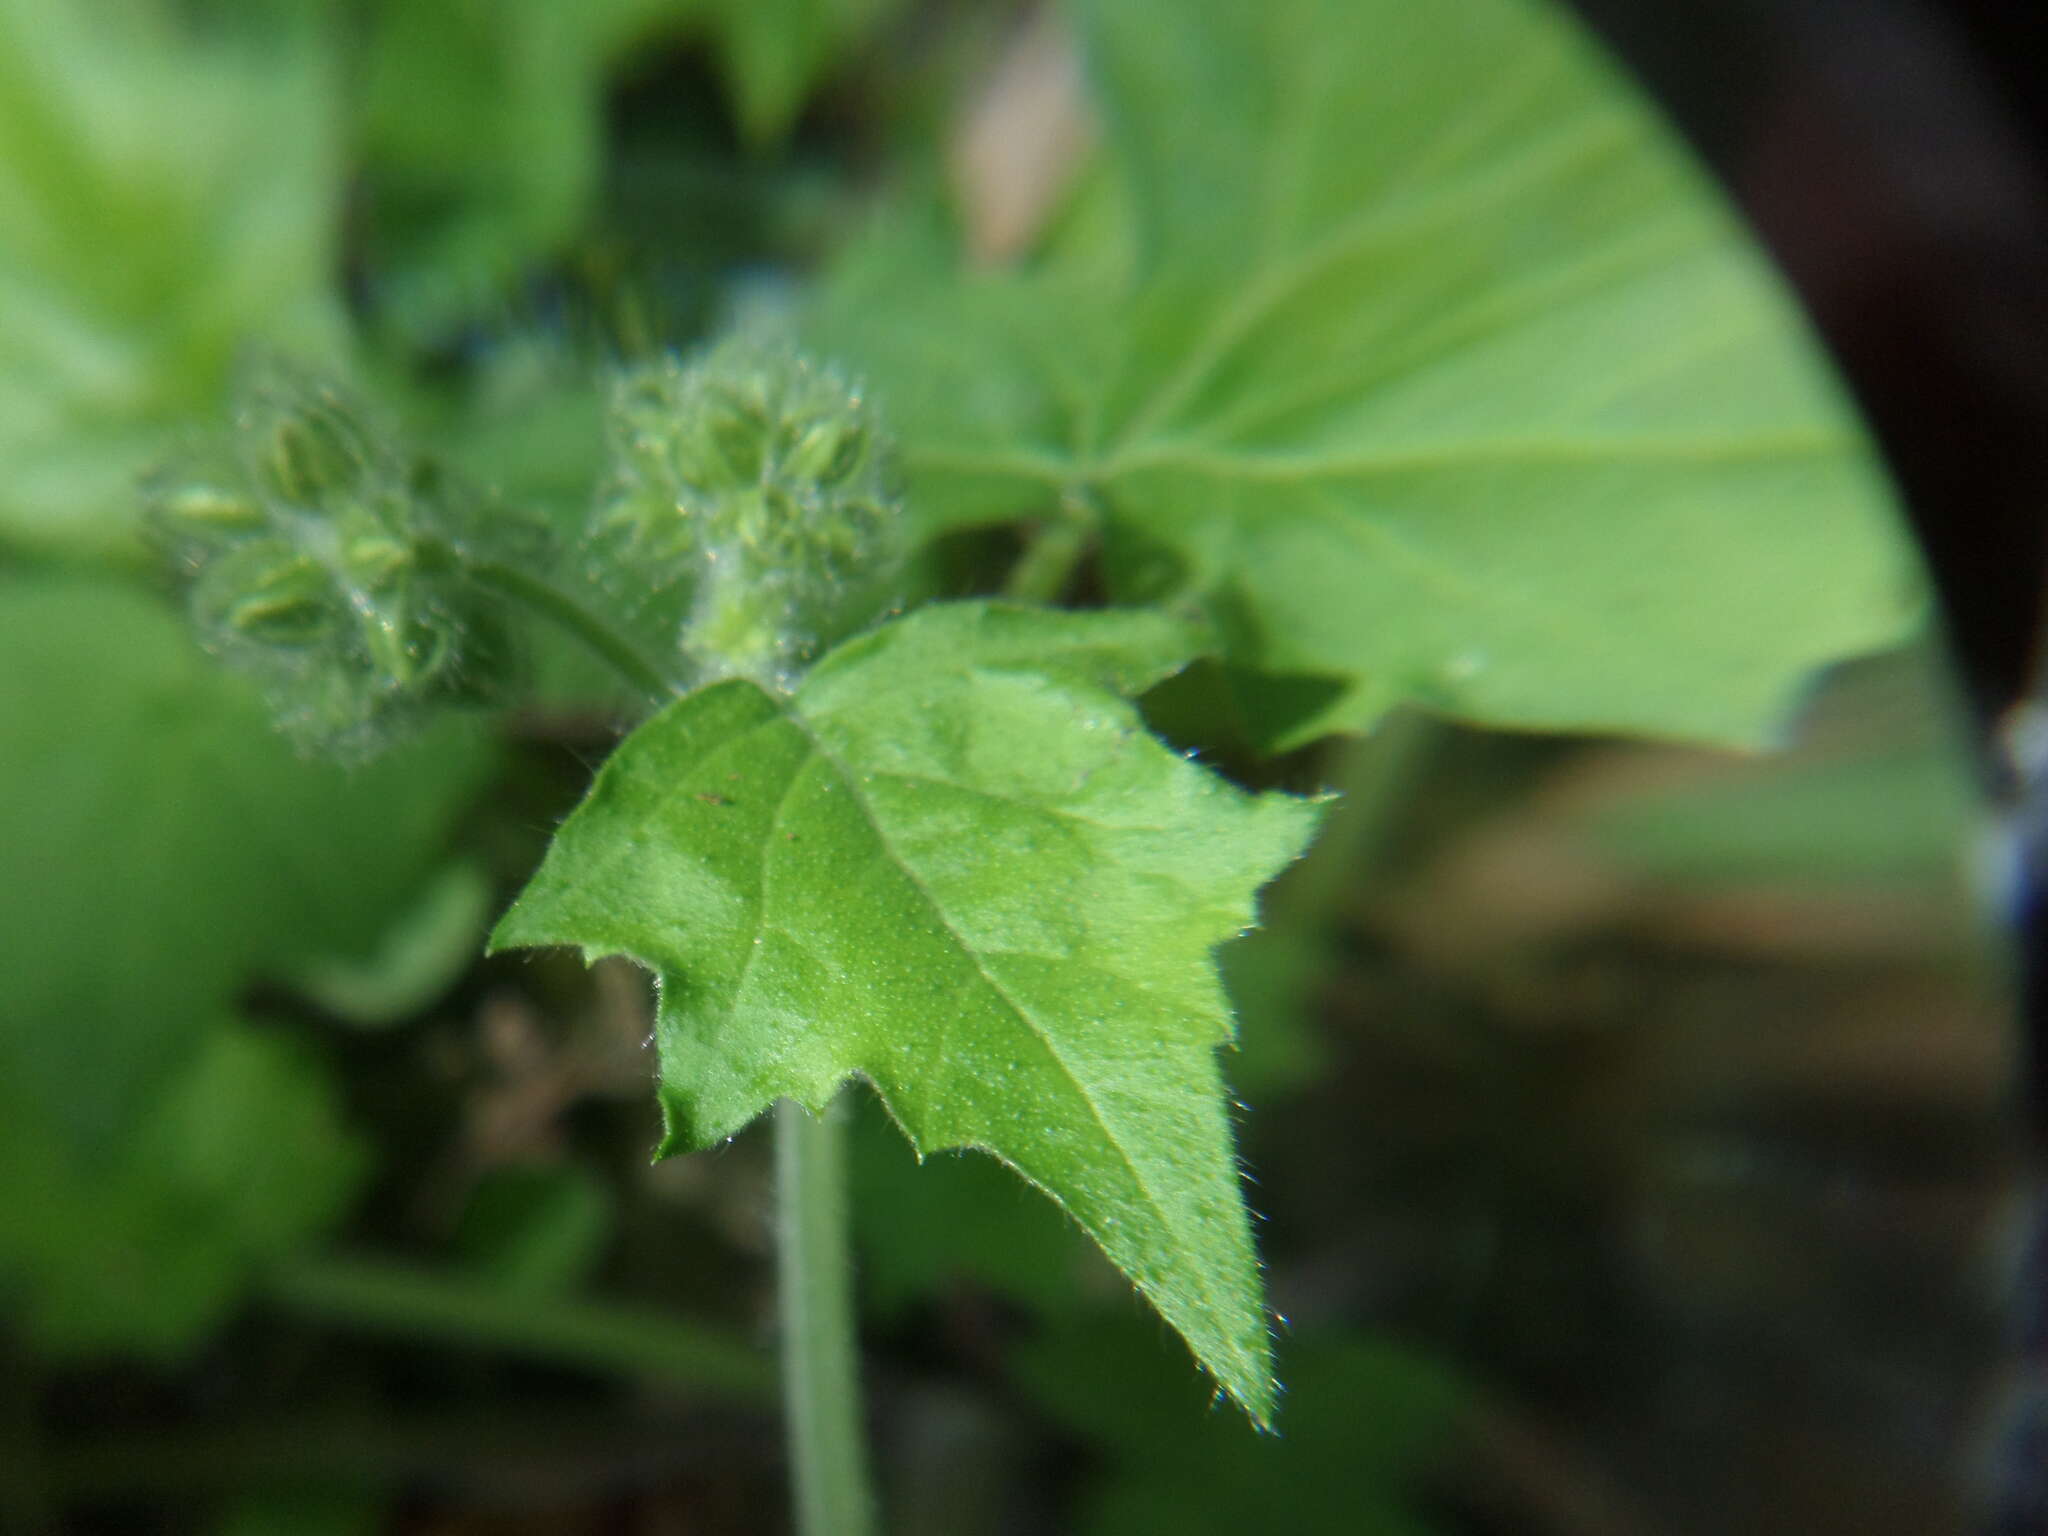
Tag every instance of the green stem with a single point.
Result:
(549, 600)
(439, 1306)
(1375, 780)
(552, 603)
(1054, 550)
(821, 1387)
(820, 1365)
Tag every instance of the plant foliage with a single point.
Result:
(1381, 354)
(953, 862)
(1416, 352)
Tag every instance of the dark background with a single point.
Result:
(1894, 157)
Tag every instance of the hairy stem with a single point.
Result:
(821, 1386)
(440, 1306)
(1053, 552)
(540, 596)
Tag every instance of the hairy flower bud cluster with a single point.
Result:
(758, 480)
(322, 558)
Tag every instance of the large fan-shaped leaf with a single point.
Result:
(1431, 365)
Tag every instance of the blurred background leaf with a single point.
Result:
(167, 847)
(170, 187)
(481, 138)
(144, 1247)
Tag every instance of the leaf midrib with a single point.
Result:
(1166, 1224)
(1074, 474)
(761, 901)
(1273, 287)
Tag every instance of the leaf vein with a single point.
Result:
(762, 904)
(1042, 808)
(1024, 1016)
(1584, 139)
(1755, 448)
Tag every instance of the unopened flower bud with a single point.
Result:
(301, 540)
(765, 476)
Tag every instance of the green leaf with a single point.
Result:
(164, 845)
(1437, 371)
(143, 1247)
(953, 863)
(168, 190)
(482, 125)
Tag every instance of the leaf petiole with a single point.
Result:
(544, 598)
(821, 1381)
(1054, 551)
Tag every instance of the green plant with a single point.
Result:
(1377, 361)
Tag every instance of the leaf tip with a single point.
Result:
(1257, 1398)
(503, 935)
(678, 1125)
